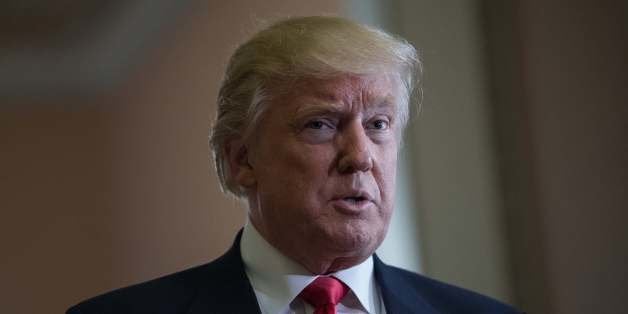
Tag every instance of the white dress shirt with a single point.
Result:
(278, 280)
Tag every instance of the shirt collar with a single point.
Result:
(278, 280)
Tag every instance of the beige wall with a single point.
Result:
(103, 190)
(57, 219)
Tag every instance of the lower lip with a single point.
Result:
(351, 207)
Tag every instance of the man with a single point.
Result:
(310, 118)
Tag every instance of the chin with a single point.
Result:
(355, 242)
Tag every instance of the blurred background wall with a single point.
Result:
(514, 177)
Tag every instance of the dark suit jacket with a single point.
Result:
(222, 286)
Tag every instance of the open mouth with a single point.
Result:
(352, 205)
(353, 202)
(355, 199)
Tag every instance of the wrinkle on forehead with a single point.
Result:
(345, 92)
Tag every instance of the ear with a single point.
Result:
(240, 170)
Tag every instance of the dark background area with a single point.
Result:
(105, 177)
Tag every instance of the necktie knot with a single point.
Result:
(324, 293)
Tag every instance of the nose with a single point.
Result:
(355, 154)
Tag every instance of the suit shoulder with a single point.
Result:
(167, 294)
(448, 298)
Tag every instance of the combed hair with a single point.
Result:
(302, 47)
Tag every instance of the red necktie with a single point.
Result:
(324, 293)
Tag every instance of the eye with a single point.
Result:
(318, 125)
(315, 124)
(380, 124)
(318, 130)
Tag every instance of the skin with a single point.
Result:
(320, 170)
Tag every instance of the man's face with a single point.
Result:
(323, 165)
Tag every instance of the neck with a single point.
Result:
(314, 261)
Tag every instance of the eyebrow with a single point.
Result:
(314, 108)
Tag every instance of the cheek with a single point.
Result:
(388, 168)
(312, 162)
(299, 171)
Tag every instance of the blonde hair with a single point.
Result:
(302, 47)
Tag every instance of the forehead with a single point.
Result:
(347, 92)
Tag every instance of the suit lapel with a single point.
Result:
(225, 288)
(400, 297)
